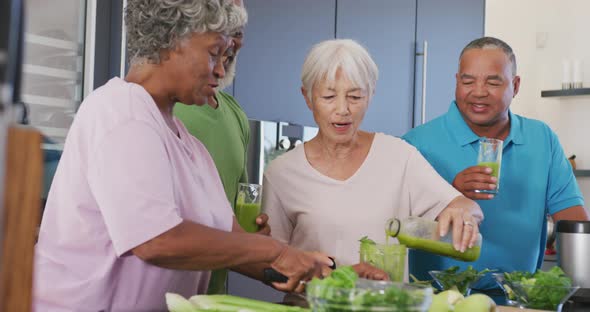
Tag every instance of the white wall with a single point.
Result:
(565, 24)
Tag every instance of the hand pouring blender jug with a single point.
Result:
(423, 234)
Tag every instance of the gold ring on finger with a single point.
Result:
(468, 223)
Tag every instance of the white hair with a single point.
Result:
(327, 57)
(230, 74)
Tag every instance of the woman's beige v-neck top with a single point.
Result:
(314, 212)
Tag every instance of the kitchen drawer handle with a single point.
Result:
(424, 72)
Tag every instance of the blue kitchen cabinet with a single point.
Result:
(447, 26)
(386, 29)
(281, 32)
(278, 36)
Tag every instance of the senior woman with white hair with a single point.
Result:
(136, 208)
(345, 183)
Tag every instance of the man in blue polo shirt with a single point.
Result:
(536, 178)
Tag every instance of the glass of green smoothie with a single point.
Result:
(490, 155)
(248, 205)
(390, 258)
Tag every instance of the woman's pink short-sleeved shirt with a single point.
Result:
(123, 179)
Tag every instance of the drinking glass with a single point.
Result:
(389, 258)
(490, 155)
(248, 204)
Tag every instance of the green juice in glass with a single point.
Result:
(389, 258)
(494, 165)
(246, 213)
(495, 173)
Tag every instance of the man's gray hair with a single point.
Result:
(327, 57)
(155, 25)
(492, 43)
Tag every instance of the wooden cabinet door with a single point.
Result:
(21, 206)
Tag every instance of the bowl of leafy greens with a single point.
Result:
(544, 290)
(461, 281)
(506, 287)
(344, 291)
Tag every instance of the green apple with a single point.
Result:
(476, 303)
(444, 301)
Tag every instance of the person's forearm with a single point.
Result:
(192, 246)
(572, 213)
(253, 270)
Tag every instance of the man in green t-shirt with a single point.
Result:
(222, 126)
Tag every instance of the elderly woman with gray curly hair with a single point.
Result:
(136, 208)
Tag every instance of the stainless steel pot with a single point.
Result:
(573, 250)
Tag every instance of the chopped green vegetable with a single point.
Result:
(342, 278)
(341, 291)
(367, 240)
(517, 276)
(451, 278)
(224, 303)
(177, 303)
(416, 281)
(542, 290)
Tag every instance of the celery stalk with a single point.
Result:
(177, 303)
(224, 303)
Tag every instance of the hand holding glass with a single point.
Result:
(248, 206)
(490, 155)
(389, 258)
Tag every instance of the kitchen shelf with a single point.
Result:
(582, 173)
(568, 92)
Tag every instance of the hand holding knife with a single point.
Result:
(271, 275)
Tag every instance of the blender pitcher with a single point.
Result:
(423, 234)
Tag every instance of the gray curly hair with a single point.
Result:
(155, 25)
